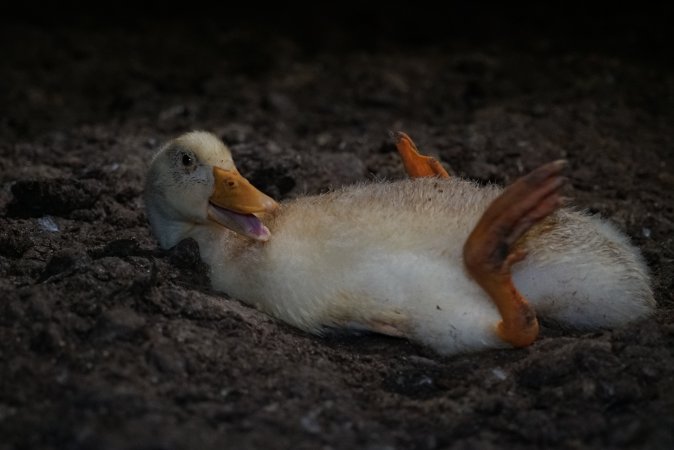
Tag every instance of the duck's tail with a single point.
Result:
(586, 274)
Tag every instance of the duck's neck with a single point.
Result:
(166, 226)
(212, 244)
(168, 232)
(230, 258)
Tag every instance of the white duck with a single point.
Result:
(437, 260)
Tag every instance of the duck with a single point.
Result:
(436, 259)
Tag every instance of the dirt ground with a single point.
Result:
(107, 342)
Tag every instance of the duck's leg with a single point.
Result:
(490, 250)
(416, 164)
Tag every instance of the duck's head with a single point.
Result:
(193, 181)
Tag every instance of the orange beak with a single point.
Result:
(235, 193)
(235, 203)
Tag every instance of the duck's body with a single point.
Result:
(398, 265)
(390, 258)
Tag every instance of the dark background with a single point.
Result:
(249, 37)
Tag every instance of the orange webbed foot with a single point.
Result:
(489, 253)
(416, 164)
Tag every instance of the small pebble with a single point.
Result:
(47, 224)
(309, 422)
(499, 374)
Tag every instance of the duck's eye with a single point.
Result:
(187, 160)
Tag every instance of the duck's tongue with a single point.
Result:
(245, 224)
(235, 201)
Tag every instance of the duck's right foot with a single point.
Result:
(490, 250)
(416, 164)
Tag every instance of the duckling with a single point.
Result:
(433, 258)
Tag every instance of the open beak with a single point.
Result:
(235, 204)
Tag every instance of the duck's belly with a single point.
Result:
(426, 296)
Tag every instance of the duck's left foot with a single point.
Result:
(490, 251)
(416, 164)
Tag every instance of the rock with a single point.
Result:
(37, 198)
(276, 176)
(120, 323)
(39, 308)
(186, 257)
(280, 103)
(66, 260)
(166, 358)
(47, 339)
(235, 133)
(120, 248)
(667, 179)
(14, 243)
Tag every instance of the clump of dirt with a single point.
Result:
(108, 342)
